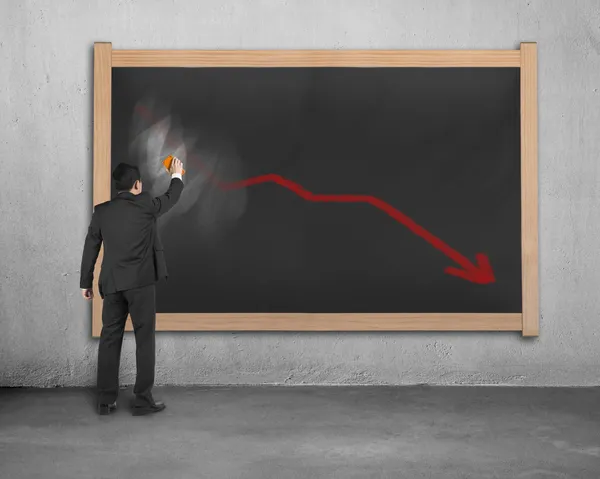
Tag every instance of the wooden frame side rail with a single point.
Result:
(105, 59)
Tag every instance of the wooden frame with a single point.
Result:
(105, 58)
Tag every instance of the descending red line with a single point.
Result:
(372, 200)
(481, 273)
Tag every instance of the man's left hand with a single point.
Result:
(88, 293)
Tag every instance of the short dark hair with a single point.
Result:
(125, 176)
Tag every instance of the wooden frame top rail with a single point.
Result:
(316, 58)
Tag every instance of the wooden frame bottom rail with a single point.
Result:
(335, 322)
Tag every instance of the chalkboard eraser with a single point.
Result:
(167, 162)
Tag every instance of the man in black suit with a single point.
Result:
(133, 262)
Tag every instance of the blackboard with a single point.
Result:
(440, 145)
(321, 190)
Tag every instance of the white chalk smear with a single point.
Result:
(208, 157)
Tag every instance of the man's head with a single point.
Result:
(127, 178)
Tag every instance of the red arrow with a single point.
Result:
(481, 273)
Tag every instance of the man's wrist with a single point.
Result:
(176, 175)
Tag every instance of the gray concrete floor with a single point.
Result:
(305, 432)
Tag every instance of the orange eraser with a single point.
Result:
(167, 162)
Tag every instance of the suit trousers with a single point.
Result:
(140, 303)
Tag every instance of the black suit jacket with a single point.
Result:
(133, 251)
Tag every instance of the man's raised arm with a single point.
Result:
(166, 201)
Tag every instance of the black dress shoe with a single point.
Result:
(105, 409)
(143, 409)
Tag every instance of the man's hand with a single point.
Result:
(88, 293)
(176, 166)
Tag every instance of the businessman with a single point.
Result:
(133, 262)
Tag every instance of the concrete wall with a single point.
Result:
(46, 181)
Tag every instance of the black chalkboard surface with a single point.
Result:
(331, 189)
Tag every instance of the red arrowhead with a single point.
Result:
(480, 274)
